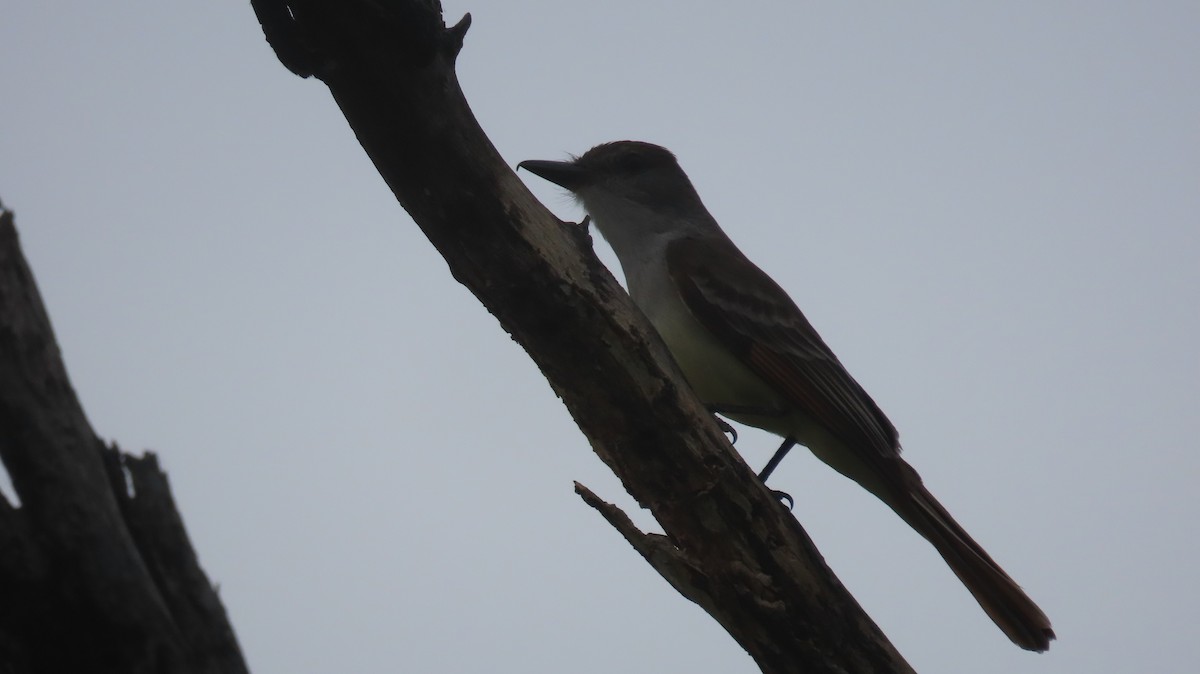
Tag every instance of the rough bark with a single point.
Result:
(96, 570)
(728, 544)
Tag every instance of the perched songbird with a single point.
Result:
(749, 352)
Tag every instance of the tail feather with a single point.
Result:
(1001, 598)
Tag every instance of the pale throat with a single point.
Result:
(640, 236)
(638, 233)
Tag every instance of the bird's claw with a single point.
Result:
(726, 427)
(783, 496)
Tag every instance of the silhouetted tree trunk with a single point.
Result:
(729, 545)
(96, 570)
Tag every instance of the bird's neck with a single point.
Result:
(639, 234)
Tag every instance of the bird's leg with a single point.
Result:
(787, 445)
(776, 458)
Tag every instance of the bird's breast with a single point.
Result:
(712, 369)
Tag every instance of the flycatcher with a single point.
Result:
(749, 352)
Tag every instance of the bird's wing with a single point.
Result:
(755, 318)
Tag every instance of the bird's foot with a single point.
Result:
(785, 498)
(727, 427)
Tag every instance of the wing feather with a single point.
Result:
(746, 309)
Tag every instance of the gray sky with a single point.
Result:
(991, 211)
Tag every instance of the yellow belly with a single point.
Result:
(721, 380)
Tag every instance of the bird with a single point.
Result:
(748, 352)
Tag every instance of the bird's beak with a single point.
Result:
(562, 173)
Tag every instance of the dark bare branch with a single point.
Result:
(394, 79)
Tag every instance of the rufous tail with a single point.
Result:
(1001, 598)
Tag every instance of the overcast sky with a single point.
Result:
(991, 211)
